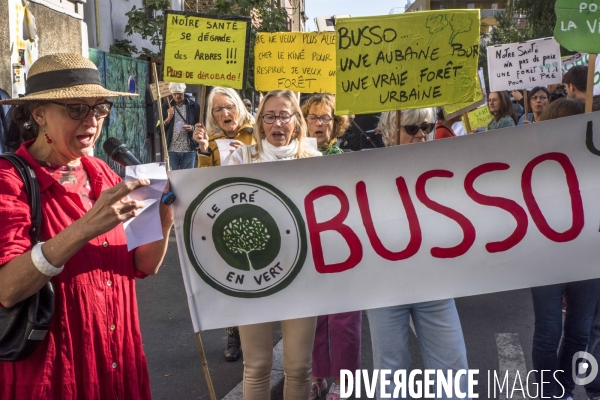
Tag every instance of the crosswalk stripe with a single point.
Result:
(511, 359)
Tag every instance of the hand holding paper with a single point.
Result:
(146, 227)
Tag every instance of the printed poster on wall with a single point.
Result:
(205, 50)
(411, 60)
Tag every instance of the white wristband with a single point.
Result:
(41, 263)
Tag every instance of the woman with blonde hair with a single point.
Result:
(280, 134)
(227, 119)
(337, 339)
(322, 124)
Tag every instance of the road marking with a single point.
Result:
(511, 359)
(237, 393)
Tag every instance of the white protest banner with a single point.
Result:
(524, 65)
(583, 59)
(475, 214)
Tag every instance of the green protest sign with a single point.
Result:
(578, 25)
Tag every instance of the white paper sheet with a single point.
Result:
(146, 228)
(225, 149)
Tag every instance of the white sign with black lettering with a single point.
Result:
(524, 65)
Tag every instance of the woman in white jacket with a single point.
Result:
(280, 134)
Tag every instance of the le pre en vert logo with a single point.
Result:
(245, 238)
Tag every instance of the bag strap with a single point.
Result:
(32, 188)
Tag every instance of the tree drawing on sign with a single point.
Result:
(460, 23)
(436, 23)
(245, 236)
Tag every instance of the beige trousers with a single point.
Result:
(257, 345)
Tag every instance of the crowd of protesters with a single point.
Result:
(60, 125)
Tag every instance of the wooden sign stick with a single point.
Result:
(589, 91)
(398, 126)
(467, 123)
(526, 104)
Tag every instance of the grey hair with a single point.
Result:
(387, 122)
(243, 116)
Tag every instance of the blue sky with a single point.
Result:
(356, 8)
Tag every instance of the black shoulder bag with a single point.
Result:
(24, 325)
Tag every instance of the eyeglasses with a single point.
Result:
(218, 110)
(312, 118)
(81, 111)
(271, 118)
(493, 100)
(412, 130)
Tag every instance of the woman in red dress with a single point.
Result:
(93, 349)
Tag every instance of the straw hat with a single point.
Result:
(63, 76)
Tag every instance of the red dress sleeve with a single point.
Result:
(14, 214)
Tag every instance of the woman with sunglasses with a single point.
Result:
(539, 100)
(93, 349)
(280, 134)
(338, 336)
(436, 322)
(502, 109)
(228, 119)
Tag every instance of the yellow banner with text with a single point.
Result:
(206, 51)
(298, 61)
(412, 60)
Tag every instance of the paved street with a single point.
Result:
(498, 329)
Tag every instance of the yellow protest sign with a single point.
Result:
(453, 110)
(298, 61)
(403, 61)
(206, 51)
(480, 117)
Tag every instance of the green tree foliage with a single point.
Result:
(541, 18)
(506, 31)
(245, 236)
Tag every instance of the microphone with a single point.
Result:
(120, 154)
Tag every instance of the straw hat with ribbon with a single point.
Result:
(63, 76)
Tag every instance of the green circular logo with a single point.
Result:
(245, 238)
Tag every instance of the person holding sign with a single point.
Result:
(322, 124)
(437, 324)
(337, 339)
(228, 120)
(502, 109)
(280, 134)
(581, 298)
(180, 121)
(538, 99)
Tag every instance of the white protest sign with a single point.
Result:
(225, 150)
(583, 59)
(469, 215)
(524, 65)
